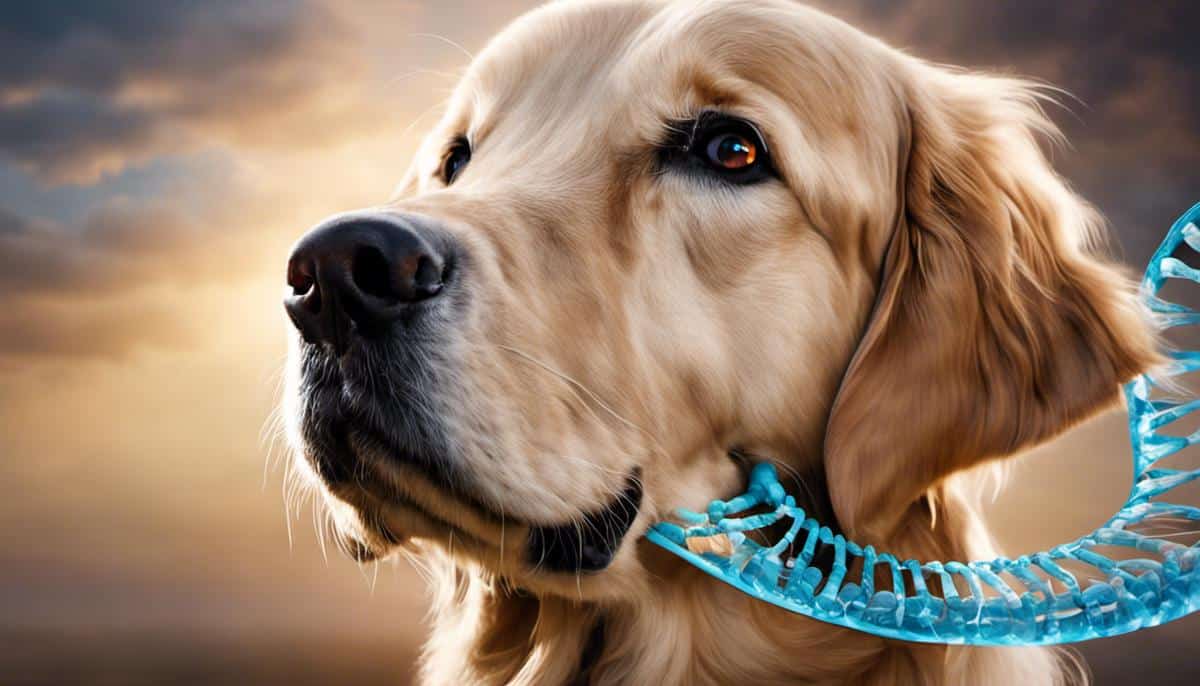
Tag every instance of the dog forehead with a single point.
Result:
(568, 73)
(563, 50)
(557, 57)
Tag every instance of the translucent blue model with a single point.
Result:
(1122, 577)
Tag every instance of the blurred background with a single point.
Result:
(157, 159)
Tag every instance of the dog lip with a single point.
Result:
(585, 544)
(591, 544)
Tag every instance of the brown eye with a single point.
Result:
(719, 147)
(456, 159)
(731, 151)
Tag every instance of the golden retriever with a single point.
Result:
(648, 242)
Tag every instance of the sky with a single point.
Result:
(157, 160)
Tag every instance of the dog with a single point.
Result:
(648, 243)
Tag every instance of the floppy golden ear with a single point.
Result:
(995, 326)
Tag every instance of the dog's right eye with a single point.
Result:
(456, 158)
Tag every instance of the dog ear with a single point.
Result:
(995, 325)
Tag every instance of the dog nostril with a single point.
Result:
(427, 279)
(301, 276)
(414, 277)
(372, 273)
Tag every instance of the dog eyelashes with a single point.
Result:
(717, 146)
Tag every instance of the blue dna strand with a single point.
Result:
(1120, 578)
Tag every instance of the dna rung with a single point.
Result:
(1072, 592)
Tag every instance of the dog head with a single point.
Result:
(645, 235)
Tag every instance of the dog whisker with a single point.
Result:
(447, 41)
(583, 388)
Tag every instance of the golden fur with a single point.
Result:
(917, 294)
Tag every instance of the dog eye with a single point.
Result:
(456, 158)
(731, 151)
(717, 145)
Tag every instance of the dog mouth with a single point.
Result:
(401, 499)
(591, 543)
(397, 465)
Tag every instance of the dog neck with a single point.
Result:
(693, 629)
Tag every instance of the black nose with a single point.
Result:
(356, 274)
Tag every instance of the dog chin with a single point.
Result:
(378, 531)
(387, 504)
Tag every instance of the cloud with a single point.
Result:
(12, 224)
(79, 295)
(130, 39)
(40, 258)
(71, 136)
(132, 274)
(233, 115)
(126, 244)
(102, 330)
(112, 84)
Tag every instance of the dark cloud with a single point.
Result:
(101, 85)
(98, 45)
(130, 275)
(39, 259)
(125, 246)
(63, 135)
(12, 224)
